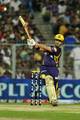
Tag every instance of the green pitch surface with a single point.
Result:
(43, 112)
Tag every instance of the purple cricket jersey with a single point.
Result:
(51, 62)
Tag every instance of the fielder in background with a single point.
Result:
(49, 69)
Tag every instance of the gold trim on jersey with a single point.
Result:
(56, 58)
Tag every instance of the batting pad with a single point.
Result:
(50, 88)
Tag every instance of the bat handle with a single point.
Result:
(29, 37)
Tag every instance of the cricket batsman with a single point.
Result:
(49, 69)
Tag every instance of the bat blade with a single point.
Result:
(24, 24)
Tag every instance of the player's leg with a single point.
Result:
(56, 87)
(50, 87)
(51, 91)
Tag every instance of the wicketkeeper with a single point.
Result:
(49, 69)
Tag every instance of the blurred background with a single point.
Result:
(46, 18)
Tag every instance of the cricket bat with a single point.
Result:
(24, 24)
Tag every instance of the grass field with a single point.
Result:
(43, 112)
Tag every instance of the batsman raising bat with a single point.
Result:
(49, 69)
(25, 26)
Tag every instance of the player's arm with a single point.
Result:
(52, 49)
(43, 47)
(32, 43)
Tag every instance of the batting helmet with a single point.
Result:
(59, 37)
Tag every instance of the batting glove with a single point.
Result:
(31, 43)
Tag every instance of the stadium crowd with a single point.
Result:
(62, 15)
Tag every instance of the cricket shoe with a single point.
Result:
(54, 103)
